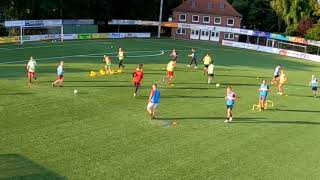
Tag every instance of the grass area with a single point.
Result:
(104, 133)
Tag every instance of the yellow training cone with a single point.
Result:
(102, 72)
(93, 74)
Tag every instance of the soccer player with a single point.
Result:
(121, 56)
(276, 75)
(314, 85)
(206, 61)
(60, 72)
(170, 72)
(153, 102)
(230, 101)
(108, 64)
(193, 57)
(137, 78)
(31, 68)
(282, 80)
(263, 90)
(174, 54)
(210, 72)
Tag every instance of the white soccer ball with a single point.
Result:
(217, 85)
(75, 91)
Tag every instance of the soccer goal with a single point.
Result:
(286, 45)
(41, 33)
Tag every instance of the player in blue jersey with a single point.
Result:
(314, 85)
(193, 57)
(263, 90)
(153, 102)
(276, 75)
(230, 101)
(60, 72)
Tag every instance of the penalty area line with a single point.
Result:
(162, 52)
(52, 46)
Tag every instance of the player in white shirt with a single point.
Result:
(276, 75)
(210, 72)
(32, 69)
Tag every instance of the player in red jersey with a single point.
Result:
(137, 78)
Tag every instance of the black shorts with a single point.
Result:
(206, 66)
(314, 88)
(230, 107)
(211, 75)
(276, 76)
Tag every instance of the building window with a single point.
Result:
(222, 6)
(182, 17)
(215, 34)
(182, 31)
(230, 22)
(206, 19)
(229, 36)
(194, 4)
(210, 5)
(217, 20)
(195, 18)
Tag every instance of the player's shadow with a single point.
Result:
(90, 81)
(188, 97)
(203, 118)
(239, 84)
(16, 94)
(193, 88)
(295, 110)
(18, 167)
(200, 83)
(193, 97)
(99, 86)
(298, 85)
(248, 121)
(300, 95)
(226, 75)
(153, 73)
(229, 69)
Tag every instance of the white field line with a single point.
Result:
(50, 46)
(147, 55)
(152, 42)
(162, 52)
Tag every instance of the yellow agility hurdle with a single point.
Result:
(269, 104)
(258, 108)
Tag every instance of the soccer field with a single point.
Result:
(105, 133)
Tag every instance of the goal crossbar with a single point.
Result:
(23, 28)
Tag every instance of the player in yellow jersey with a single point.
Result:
(121, 56)
(170, 72)
(206, 61)
(282, 80)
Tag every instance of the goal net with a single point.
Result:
(46, 33)
(286, 45)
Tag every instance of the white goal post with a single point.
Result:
(286, 45)
(40, 33)
(41, 26)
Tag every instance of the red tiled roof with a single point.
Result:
(203, 7)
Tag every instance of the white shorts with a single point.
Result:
(152, 105)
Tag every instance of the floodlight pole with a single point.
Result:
(21, 35)
(160, 18)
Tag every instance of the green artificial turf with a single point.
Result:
(104, 133)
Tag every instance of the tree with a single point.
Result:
(257, 14)
(279, 6)
(314, 33)
(292, 11)
(304, 25)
